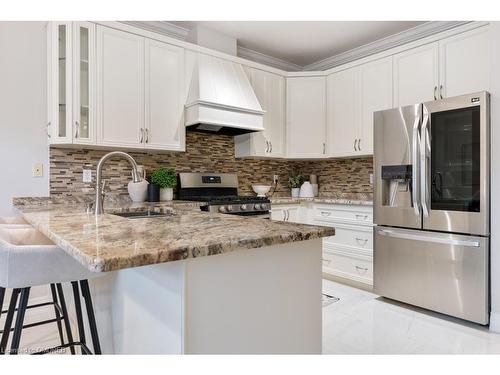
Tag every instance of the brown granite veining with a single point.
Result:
(206, 153)
(109, 242)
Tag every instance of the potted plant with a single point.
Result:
(294, 183)
(166, 180)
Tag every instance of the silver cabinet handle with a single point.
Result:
(364, 217)
(427, 238)
(359, 144)
(435, 92)
(325, 213)
(271, 147)
(364, 269)
(441, 91)
(287, 215)
(328, 261)
(77, 129)
(363, 240)
(284, 215)
(324, 148)
(267, 147)
(142, 136)
(355, 140)
(48, 130)
(147, 135)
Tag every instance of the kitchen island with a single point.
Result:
(191, 281)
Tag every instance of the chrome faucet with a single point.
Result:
(99, 199)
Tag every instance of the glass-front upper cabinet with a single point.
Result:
(71, 85)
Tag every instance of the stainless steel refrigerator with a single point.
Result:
(432, 205)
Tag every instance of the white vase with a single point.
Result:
(166, 194)
(295, 192)
(138, 191)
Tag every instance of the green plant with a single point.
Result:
(164, 178)
(295, 181)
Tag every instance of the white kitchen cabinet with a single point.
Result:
(290, 213)
(120, 88)
(71, 83)
(343, 112)
(416, 75)
(270, 91)
(306, 117)
(464, 62)
(164, 97)
(353, 95)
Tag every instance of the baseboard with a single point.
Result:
(349, 282)
(495, 322)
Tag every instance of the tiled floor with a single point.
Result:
(363, 323)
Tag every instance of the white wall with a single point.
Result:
(495, 176)
(23, 108)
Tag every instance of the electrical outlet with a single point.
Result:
(275, 178)
(87, 175)
(37, 170)
(371, 178)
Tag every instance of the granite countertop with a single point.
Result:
(330, 200)
(111, 242)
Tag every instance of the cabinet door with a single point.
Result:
(306, 117)
(343, 113)
(274, 119)
(164, 93)
(465, 63)
(375, 95)
(416, 75)
(84, 82)
(60, 63)
(293, 214)
(120, 88)
(278, 214)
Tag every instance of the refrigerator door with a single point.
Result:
(396, 167)
(446, 273)
(455, 164)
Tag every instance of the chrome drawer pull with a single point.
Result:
(325, 213)
(364, 240)
(361, 216)
(328, 261)
(358, 268)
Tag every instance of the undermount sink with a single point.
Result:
(144, 214)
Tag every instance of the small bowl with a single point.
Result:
(261, 190)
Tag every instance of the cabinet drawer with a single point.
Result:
(349, 268)
(343, 214)
(351, 237)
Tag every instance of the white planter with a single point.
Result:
(295, 192)
(166, 194)
(138, 191)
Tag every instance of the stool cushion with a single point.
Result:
(28, 258)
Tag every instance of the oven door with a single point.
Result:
(455, 164)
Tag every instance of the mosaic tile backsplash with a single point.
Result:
(207, 153)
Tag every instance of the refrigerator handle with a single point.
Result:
(424, 154)
(415, 167)
(428, 238)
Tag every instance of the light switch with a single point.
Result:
(87, 175)
(38, 170)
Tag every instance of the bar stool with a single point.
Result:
(28, 258)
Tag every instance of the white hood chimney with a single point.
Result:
(221, 99)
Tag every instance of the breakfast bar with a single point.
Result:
(186, 281)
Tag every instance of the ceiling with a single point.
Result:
(303, 42)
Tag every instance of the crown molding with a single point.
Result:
(161, 27)
(262, 58)
(392, 41)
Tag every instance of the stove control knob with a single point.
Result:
(230, 208)
(222, 209)
(258, 207)
(243, 207)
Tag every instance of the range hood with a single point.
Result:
(221, 99)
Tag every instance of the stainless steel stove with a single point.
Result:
(220, 191)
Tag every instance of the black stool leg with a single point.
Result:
(2, 295)
(8, 320)
(79, 315)
(21, 311)
(84, 284)
(65, 316)
(56, 311)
